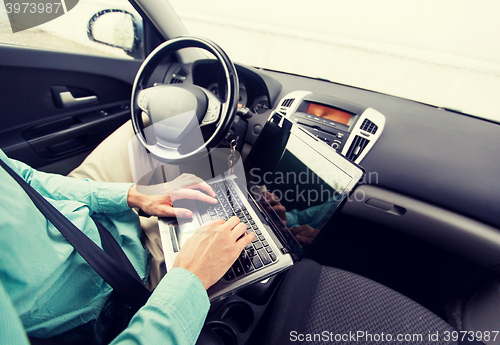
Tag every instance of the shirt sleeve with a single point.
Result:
(100, 197)
(174, 314)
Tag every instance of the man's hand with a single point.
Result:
(157, 200)
(210, 252)
(184, 187)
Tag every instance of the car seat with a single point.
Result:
(332, 303)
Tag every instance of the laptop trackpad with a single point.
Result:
(180, 233)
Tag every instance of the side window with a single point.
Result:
(108, 28)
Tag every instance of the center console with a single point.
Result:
(349, 128)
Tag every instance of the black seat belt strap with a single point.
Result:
(114, 250)
(130, 287)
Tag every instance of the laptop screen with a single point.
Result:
(298, 187)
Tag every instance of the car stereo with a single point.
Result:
(349, 128)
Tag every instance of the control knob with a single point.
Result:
(336, 144)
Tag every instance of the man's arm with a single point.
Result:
(176, 311)
(174, 314)
(113, 197)
(100, 197)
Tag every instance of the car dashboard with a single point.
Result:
(423, 176)
(254, 92)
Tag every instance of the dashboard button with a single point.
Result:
(336, 144)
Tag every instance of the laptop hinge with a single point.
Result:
(285, 250)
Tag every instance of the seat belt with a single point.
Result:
(112, 264)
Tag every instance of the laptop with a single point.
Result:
(292, 186)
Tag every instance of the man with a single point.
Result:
(47, 288)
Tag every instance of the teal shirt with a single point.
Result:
(174, 314)
(49, 284)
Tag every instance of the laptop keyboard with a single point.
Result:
(258, 253)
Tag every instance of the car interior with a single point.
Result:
(424, 221)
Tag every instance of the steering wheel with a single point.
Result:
(187, 120)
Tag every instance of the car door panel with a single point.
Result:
(35, 124)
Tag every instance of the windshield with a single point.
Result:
(444, 53)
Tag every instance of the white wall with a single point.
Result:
(442, 52)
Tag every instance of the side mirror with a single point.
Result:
(119, 29)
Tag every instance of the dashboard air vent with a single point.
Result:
(178, 76)
(175, 80)
(369, 126)
(357, 146)
(287, 102)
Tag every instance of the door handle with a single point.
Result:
(63, 98)
(68, 100)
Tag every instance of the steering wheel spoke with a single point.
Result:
(213, 112)
(142, 99)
